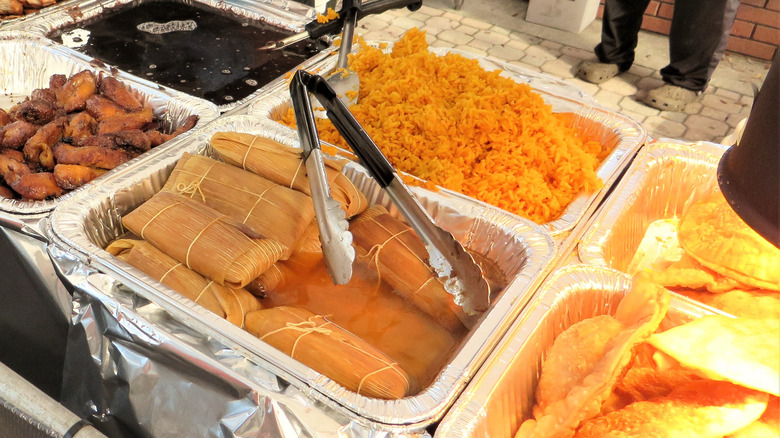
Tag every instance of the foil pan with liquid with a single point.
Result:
(521, 251)
(204, 48)
(27, 61)
(621, 133)
(502, 394)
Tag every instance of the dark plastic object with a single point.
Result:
(749, 173)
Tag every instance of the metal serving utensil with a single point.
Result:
(316, 30)
(331, 220)
(343, 80)
(461, 275)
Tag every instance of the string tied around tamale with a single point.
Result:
(295, 175)
(143, 229)
(194, 187)
(246, 154)
(200, 233)
(259, 198)
(373, 252)
(306, 327)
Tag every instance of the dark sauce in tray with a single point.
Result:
(204, 53)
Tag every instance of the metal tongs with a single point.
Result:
(349, 8)
(461, 275)
(331, 220)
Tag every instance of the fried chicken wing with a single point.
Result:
(38, 112)
(37, 186)
(119, 94)
(57, 81)
(700, 409)
(16, 134)
(584, 364)
(37, 4)
(38, 148)
(73, 176)
(101, 107)
(188, 124)
(13, 153)
(12, 169)
(125, 122)
(90, 156)
(134, 140)
(80, 126)
(74, 94)
(4, 118)
(6, 192)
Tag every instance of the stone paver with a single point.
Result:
(454, 37)
(714, 114)
(491, 37)
(479, 24)
(506, 53)
(707, 125)
(720, 103)
(661, 127)
(467, 30)
(609, 99)
(558, 68)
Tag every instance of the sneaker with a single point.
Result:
(669, 97)
(597, 72)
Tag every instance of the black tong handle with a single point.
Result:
(364, 147)
(317, 30)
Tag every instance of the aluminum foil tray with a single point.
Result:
(27, 61)
(283, 14)
(501, 395)
(522, 251)
(665, 178)
(5, 21)
(621, 132)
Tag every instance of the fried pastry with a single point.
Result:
(689, 273)
(700, 409)
(768, 426)
(740, 350)
(586, 361)
(754, 303)
(712, 233)
(644, 383)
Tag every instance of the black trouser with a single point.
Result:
(697, 40)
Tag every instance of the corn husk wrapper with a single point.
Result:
(271, 210)
(308, 252)
(329, 349)
(273, 278)
(283, 165)
(204, 240)
(229, 303)
(396, 253)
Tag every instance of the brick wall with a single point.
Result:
(756, 30)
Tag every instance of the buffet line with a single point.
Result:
(179, 218)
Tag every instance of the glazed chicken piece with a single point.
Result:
(101, 107)
(12, 153)
(57, 81)
(157, 138)
(38, 148)
(36, 186)
(45, 94)
(16, 134)
(73, 176)
(37, 4)
(125, 122)
(90, 156)
(80, 126)
(134, 141)
(11, 7)
(4, 118)
(12, 169)
(38, 112)
(74, 94)
(119, 94)
(6, 192)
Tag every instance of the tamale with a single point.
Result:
(274, 277)
(283, 165)
(396, 253)
(309, 250)
(204, 240)
(268, 208)
(329, 349)
(231, 304)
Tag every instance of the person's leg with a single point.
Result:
(700, 31)
(619, 36)
(619, 31)
(698, 37)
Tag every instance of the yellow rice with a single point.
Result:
(446, 120)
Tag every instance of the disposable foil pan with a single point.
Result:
(501, 395)
(27, 61)
(663, 181)
(521, 250)
(5, 21)
(615, 130)
(284, 14)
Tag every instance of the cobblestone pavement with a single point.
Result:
(496, 28)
